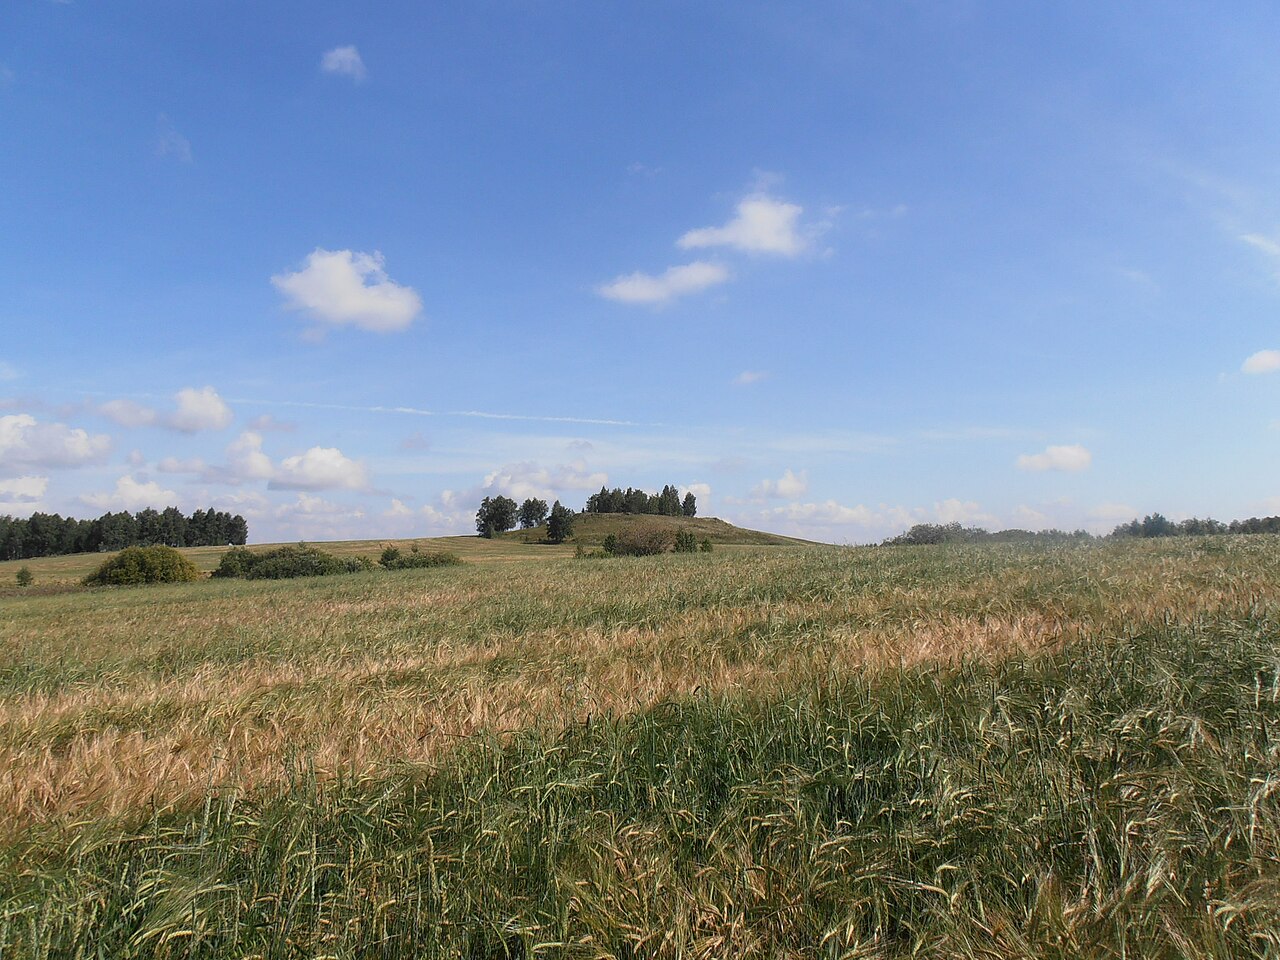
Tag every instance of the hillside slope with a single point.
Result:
(590, 529)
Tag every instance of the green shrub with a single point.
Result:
(644, 540)
(24, 577)
(135, 565)
(610, 544)
(285, 563)
(393, 559)
(236, 562)
(686, 542)
(705, 545)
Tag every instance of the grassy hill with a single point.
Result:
(590, 529)
(516, 545)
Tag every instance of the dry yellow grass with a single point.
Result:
(114, 702)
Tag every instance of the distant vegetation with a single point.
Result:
(51, 535)
(393, 559)
(1152, 525)
(139, 565)
(285, 563)
(667, 503)
(648, 539)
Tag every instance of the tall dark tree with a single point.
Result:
(690, 506)
(496, 515)
(559, 523)
(532, 512)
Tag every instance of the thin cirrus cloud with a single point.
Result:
(749, 377)
(344, 288)
(672, 283)
(1069, 459)
(170, 143)
(1264, 361)
(344, 62)
(762, 225)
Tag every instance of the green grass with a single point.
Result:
(940, 752)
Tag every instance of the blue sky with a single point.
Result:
(835, 267)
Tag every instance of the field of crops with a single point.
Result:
(778, 752)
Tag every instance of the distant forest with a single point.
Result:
(665, 504)
(51, 535)
(1152, 525)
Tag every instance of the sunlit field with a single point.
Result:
(760, 751)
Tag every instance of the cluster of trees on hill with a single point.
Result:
(499, 514)
(50, 534)
(665, 504)
(1152, 525)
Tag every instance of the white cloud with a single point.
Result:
(1112, 512)
(345, 288)
(26, 442)
(127, 413)
(674, 282)
(1071, 459)
(320, 468)
(762, 225)
(169, 142)
(790, 486)
(245, 459)
(397, 509)
(748, 377)
(344, 61)
(963, 511)
(176, 465)
(22, 492)
(1264, 361)
(132, 495)
(199, 410)
(523, 480)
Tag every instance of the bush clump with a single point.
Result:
(135, 565)
(393, 559)
(641, 541)
(24, 577)
(285, 563)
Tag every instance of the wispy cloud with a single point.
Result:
(1070, 459)
(762, 225)
(345, 62)
(748, 377)
(170, 143)
(674, 282)
(1264, 361)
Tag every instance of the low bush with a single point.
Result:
(393, 559)
(24, 577)
(285, 563)
(135, 565)
(643, 541)
(686, 542)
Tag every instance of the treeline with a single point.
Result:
(664, 504)
(51, 535)
(926, 533)
(1155, 525)
(1152, 525)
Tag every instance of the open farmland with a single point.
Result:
(770, 752)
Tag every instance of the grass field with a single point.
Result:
(759, 752)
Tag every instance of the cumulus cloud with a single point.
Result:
(345, 62)
(22, 493)
(674, 282)
(199, 410)
(966, 512)
(320, 468)
(523, 480)
(345, 288)
(27, 442)
(748, 377)
(133, 495)
(1264, 361)
(790, 486)
(128, 413)
(1070, 459)
(762, 225)
(245, 459)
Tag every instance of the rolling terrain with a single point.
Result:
(994, 751)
